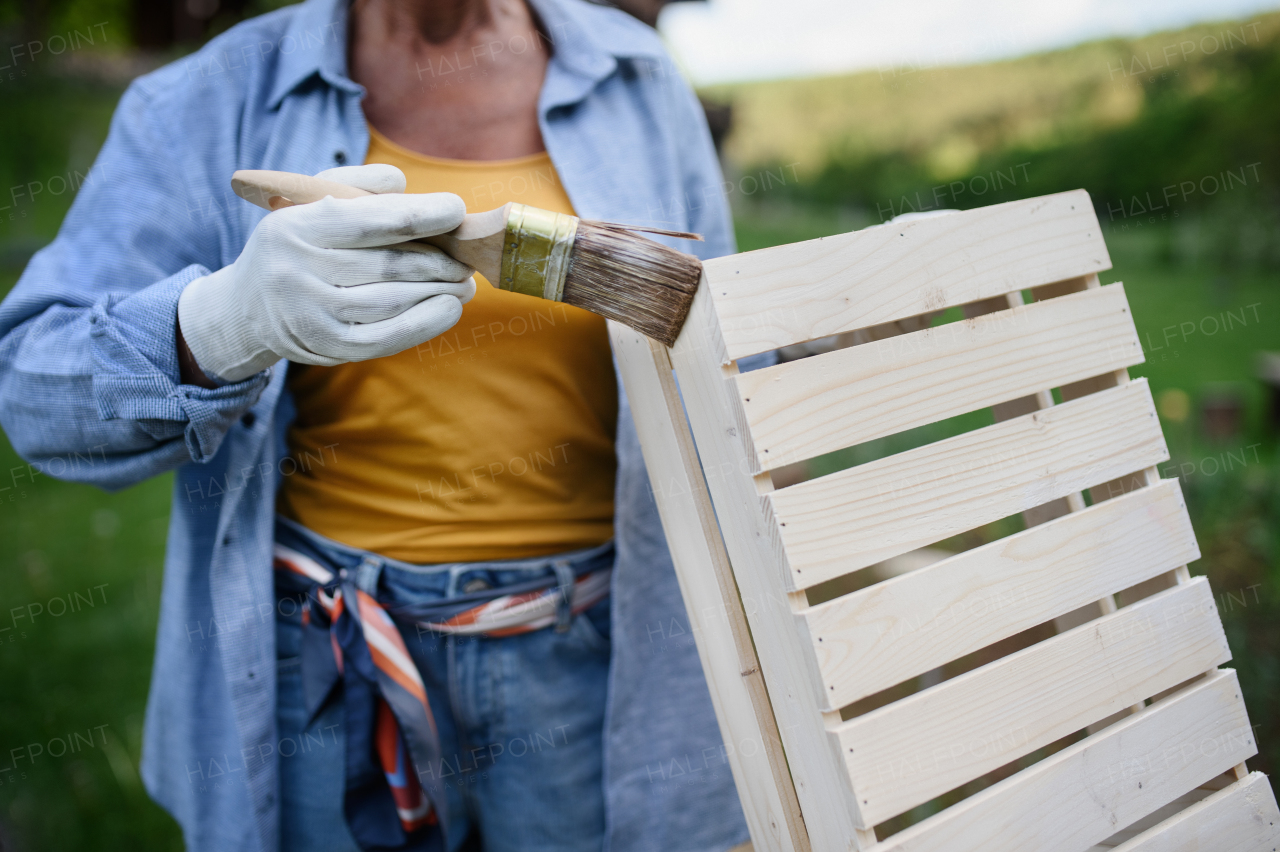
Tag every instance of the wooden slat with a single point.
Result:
(893, 631)
(714, 609)
(790, 670)
(908, 752)
(848, 520)
(1157, 816)
(1240, 818)
(839, 399)
(775, 297)
(1042, 398)
(1081, 795)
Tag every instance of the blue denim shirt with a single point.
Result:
(89, 375)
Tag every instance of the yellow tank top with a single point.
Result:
(492, 441)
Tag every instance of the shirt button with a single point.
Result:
(475, 585)
(340, 157)
(249, 419)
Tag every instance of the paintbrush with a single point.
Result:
(603, 267)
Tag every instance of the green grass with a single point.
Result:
(83, 669)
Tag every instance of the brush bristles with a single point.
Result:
(625, 277)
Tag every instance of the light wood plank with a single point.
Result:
(775, 297)
(1157, 816)
(913, 750)
(1040, 399)
(790, 670)
(713, 606)
(840, 399)
(1044, 399)
(848, 520)
(893, 631)
(1240, 818)
(1081, 795)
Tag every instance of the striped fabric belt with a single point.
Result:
(350, 637)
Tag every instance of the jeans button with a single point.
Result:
(475, 584)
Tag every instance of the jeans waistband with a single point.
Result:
(409, 582)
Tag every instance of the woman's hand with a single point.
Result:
(330, 282)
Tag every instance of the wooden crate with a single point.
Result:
(1090, 713)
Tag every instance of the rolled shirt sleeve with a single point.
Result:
(88, 342)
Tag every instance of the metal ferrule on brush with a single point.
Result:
(535, 253)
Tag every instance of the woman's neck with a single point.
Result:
(451, 78)
(437, 22)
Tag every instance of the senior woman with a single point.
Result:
(338, 664)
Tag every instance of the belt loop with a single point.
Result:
(564, 607)
(367, 574)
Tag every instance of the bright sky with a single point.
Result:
(728, 40)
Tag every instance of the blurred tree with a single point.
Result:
(35, 16)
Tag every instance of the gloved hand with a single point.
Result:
(319, 284)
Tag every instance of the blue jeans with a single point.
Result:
(520, 717)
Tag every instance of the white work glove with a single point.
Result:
(317, 283)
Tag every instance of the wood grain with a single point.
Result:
(893, 631)
(1084, 793)
(711, 598)
(913, 750)
(1157, 816)
(778, 296)
(840, 399)
(786, 660)
(848, 520)
(1240, 818)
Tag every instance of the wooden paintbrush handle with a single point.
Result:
(273, 190)
(477, 242)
